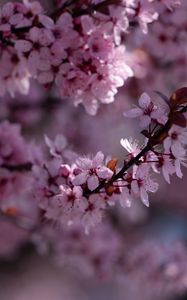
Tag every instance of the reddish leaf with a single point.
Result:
(178, 119)
(179, 97)
(110, 190)
(112, 164)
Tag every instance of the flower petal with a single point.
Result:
(144, 197)
(104, 172)
(93, 182)
(144, 100)
(133, 113)
(80, 178)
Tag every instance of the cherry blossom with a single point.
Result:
(177, 137)
(92, 171)
(147, 112)
(165, 163)
(93, 212)
(180, 159)
(143, 183)
(66, 207)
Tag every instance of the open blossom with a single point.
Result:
(14, 76)
(6, 12)
(120, 22)
(142, 184)
(131, 146)
(180, 158)
(92, 171)
(36, 46)
(147, 112)
(163, 162)
(57, 146)
(177, 138)
(47, 181)
(125, 197)
(146, 16)
(66, 207)
(93, 212)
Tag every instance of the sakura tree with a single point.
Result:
(61, 62)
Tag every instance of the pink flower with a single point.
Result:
(14, 75)
(92, 171)
(142, 184)
(100, 46)
(48, 180)
(125, 197)
(51, 68)
(147, 112)
(120, 22)
(180, 159)
(145, 17)
(68, 206)
(57, 147)
(63, 32)
(6, 12)
(177, 137)
(36, 46)
(165, 163)
(93, 213)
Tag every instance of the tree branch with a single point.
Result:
(17, 168)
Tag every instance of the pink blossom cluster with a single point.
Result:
(70, 189)
(158, 58)
(61, 188)
(75, 193)
(83, 56)
(16, 159)
(81, 190)
(173, 154)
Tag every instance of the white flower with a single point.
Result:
(131, 146)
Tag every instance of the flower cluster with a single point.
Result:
(158, 58)
(76, 192)
(63, 191)
(83, 54)
(16, 159)
(81, 190)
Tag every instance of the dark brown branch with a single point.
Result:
(48, 103)
(122, 172)
(18, 168)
